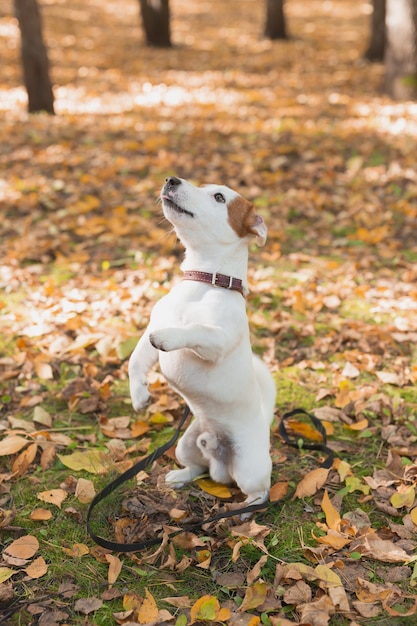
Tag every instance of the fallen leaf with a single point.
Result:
(53, 496)
(84, 490)
(214, 489)
(255, 596)
(91, 461)
(23, 548)
(332, 514)
(40, 416)
(148, 612)
(12, 444)
(6, 573)
(278, 491)
(207, 608)
(40, 515)
(311, 483)
(37, 568)
(88, 605)
(115, 567)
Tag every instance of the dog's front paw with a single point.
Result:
(140, 396)
(165, 339)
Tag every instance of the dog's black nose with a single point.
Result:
(172, 181)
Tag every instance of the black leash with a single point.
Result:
(224, 513)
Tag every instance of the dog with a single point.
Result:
(199, 332)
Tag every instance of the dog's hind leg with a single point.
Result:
(188, 454)
(218, 456)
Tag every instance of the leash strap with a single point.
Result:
(223, 513)
(328, 462)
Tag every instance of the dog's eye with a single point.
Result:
(219, 197)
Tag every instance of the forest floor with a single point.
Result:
(303, 130)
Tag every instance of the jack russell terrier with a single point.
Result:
(199, 332)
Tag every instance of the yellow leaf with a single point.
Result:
(6, 573)
(148, 611)
(213, 488)
(328, 576)
(404, 497)
(90, 461)
(255, 596)
(311, 483)
(332, 514)
(205, 608)
(413, 515)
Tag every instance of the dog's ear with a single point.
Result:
(258, 228)
(245, 221)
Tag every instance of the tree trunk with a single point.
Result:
(401, 52)
(156, 22)
(275, 25)
(376, 47)
(34, 57)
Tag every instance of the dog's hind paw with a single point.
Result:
(177, 478)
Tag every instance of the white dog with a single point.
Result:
(199, 331)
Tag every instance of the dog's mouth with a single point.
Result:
(170, 204)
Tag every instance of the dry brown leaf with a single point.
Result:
(53, 496)
(37, 568)
(278, 491)
(21, 463)
(84, 490)
(12, 444)
(115, 567)
(40, 515)
(311, 483)
(23, 548)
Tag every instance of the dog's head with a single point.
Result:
(210, 211)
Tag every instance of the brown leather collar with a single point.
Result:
(218, 280)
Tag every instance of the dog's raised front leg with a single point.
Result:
(143, 357)
(210, 343)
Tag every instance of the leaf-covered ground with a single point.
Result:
(301, 128)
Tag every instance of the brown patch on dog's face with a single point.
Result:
(242, 216)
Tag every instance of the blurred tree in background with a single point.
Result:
(376, 46)
(34, 56)
(275, 23)
(156, 22)
(401, 52)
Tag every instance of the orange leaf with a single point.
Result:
(311, 483)
(278, 491)
(332, 514)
